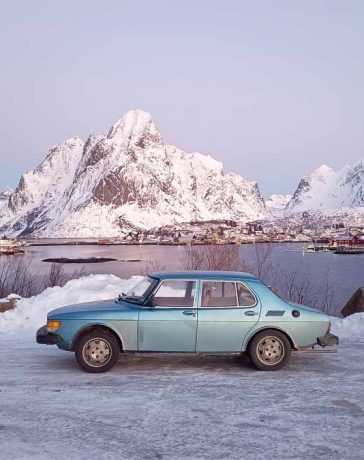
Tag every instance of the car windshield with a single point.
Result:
(139, 291)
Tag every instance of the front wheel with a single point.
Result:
(97, 351)
(270, 350)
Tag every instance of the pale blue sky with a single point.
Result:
(271, 88)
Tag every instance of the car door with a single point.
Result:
(170, 325)
(227, 311)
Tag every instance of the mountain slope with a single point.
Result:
(123, 180)
(324, 189)
(38, 192)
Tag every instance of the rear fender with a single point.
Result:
(258, 329)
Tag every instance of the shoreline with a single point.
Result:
(133, 243)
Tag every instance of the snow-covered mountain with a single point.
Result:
(123, 180)
(325, 189)
(277, 203)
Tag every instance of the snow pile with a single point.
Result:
(32, 312)
(351, 326)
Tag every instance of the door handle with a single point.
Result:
(189, 313)
(250, 313)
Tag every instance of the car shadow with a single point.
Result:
(185, 362)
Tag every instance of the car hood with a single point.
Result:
(98, 309)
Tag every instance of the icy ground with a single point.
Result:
(174, 406)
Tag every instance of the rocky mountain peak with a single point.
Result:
(136, 128)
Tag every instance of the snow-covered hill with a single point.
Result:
(123, 180)
(325, 190)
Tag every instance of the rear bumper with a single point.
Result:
(43, 336)
(328, 340)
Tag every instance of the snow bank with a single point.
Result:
(32, 312)
(351, 326)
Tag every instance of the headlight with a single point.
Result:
(52, 326)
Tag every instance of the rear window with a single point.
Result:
(224, 294)
(218, 294)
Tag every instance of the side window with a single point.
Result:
(246, 298)
(218, 294)
(175, 293)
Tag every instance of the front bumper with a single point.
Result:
(43, 336)
(328, 340)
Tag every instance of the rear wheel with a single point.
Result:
(270, 350)
(97, 351)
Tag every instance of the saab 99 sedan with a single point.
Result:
(189, 312)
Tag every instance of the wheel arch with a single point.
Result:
(248, 341)
(91, 327)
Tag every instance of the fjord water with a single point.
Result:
(344, 273)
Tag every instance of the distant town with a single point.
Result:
(327, 234)
(230, 232)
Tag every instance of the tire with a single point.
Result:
(270, 350)
(97, 351)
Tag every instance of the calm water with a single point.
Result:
(345, 272)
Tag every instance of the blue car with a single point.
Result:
(190, 312)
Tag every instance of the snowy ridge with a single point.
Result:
(325, 189)
(124, 180)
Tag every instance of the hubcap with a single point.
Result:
(96, 352)
(270, 350)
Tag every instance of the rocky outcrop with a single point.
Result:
(355, 304)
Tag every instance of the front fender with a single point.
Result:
(125, 330)
(89, 327)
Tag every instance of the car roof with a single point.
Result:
(204, 274)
